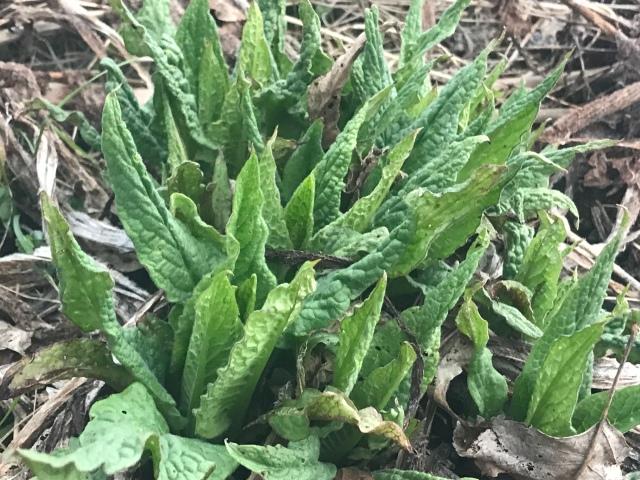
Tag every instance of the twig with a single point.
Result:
(579, 118)
(635, 326)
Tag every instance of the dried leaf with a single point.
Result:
(508, 447)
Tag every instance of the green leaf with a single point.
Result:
(517, 237)
(360, 215)
(370, 72)
(579, 308)
(299, 461)
(246, 297)
(176, 146)
(275, 26)
(152, 147)
(237, 129)
(555, 393)
(541, 267)
(221, 196)
(273, 211)
(205, 68)
(81, 357)
(339, 288)
(624, 413)
(303, 160)
(445, 221)
(121, 428)
(189, 459)
(394, 474)
(216, 328)
(116, 435)
(356, 333)
(187, 179)
(312, 60)
(226, 400)
(86, 290)
(440, 120)
(508, 132)
(378, 388)
(299, 212)
(75, 118)
(213, 84)
(425, 321)
(174, 258)
(516, 319)
(255, 58)
(333, 167)
(334, 406)
(487, 386)
(414, 43)
(247, 225)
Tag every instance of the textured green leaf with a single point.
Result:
(394, 474)
(312, 60)
(273, 212)
(248, 227)
(339, 288)
(176, 146)
(555, 393)
(174, 258)
(356, 333)
(541, 267)
(188, 459)
(487, 386)
(227, 398)
(440, 120)
(115, 437)
(86, 289)
(517, 237)
(445, 221)
(152, 147)
(246, 297)
(624, 413)
(205, 68)
(255, 58)
(216, 328)
(213, 84)
(378, 388)
(334, 406)
(275, 26)
(579, 308)
(441, 172)
(508, 132)
(370, 72)
(526, 202)
(237, 129)
(303, 160)
(79, 357)
(299, 461)
(152, 339)
(360, 215)
(221, 197)
(299, 212)
(187, 179)
(121, 428)
(332, 169)
(415, 43)
(425, 321)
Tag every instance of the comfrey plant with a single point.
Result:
(292, 212)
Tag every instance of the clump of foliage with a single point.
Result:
(292, 212)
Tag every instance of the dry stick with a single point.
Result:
(581, 117)
(635, 326)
